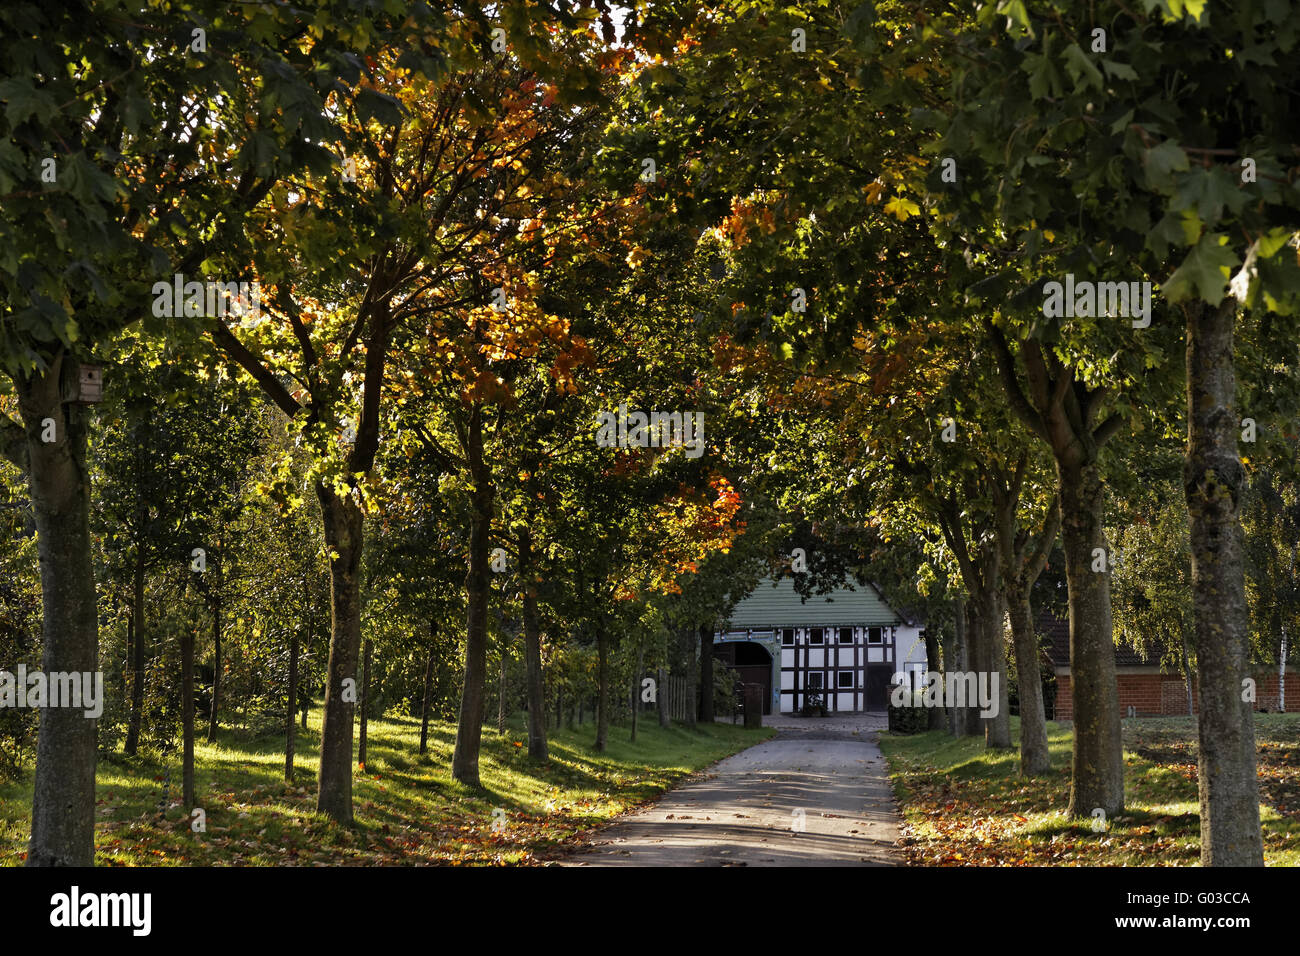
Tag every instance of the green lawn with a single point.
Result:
(964, 805)
(408, 809)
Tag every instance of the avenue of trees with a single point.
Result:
(823, 235)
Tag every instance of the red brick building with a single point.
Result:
(1145, 688)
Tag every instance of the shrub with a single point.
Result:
(908, 720)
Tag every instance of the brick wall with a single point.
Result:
(1154, 695)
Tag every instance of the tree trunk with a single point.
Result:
(427, 702)
(636, 689)
(343, 537)
(1187, 678)
(956, 662)
(1034, 758)
(661, 698)
(537, 748)
(63, 798)
(304, 692)
(635, 704)
(992, 662)
(216, 667)
(935, 717)
(366, 654)
(501, 682)
(187, 714)
(1097, 769)
(602, 678)
(971, 646)
(1281, 674)
(138, 649)
(469, 728)
(291, 707)
(692, 678)
(1213, 480)
(706, 673)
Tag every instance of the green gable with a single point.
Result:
(782, 606)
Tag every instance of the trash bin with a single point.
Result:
(753, 705)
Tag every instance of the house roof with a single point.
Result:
(1057, 631)
(779, 605)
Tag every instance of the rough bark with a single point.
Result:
(426, 701)
(343, 536)
(366, 654)
(469, 728)
(187, 716)
(992, 660)
(1097, 764)
(501, 682)
(980, 568)
(1034, 757)
(692, 677)
(602, 680)
(216, 667)
(636, 691)
(1063, 412)
(1024, 555)
(291, 708)
(706, 673)
(1213, 480)
(957, 661)
(537, 748)
(63, 799)
(139, 649)
(935, 716)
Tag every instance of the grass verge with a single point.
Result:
(409, 811)
(966, 806)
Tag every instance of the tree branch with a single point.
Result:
(13, 442)
(1037, 559)
(255, 366)
(1011, 384)
(1107, 429)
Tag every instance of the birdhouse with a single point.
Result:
(90, 384)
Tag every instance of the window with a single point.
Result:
(814, 680)
(815, 636)
(846, 635)
(787, 637)
(844, 679)
(875, 635)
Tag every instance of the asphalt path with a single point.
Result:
(817, 794)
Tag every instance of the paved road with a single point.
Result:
(826, 774)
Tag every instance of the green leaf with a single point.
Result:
(1119, 71)
(379, 106)
(1161, 162)
(24, 100)
(1204, 273)
(1080, 67)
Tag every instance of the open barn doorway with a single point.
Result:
(752, 664)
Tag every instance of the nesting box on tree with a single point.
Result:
(88, 386)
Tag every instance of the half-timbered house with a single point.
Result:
(841, 648)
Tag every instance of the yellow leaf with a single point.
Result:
(901, 208)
